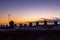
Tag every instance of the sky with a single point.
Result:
(28, 10)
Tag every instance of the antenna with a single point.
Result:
(9, 17)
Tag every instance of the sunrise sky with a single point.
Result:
(28, 10)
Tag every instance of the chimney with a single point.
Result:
(55, 23)
(30, 24)
(45, 22)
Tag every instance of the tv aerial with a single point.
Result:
(9, 17)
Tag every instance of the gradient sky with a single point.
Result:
(28, 10)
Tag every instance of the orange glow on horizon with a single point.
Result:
(17, 21)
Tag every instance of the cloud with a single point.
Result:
(55, 17)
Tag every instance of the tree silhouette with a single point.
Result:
(11, 23)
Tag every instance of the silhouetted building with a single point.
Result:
(45, 22)
(30, 24)
(55, 23)
(11, 24)
(37, 23)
